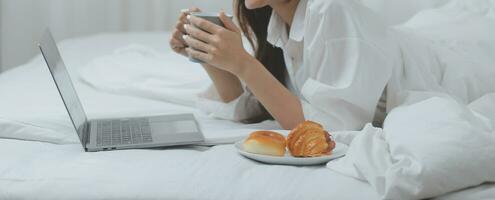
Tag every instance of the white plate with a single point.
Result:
(339, 151)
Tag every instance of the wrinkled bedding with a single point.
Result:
(439, 135)
(40, 157)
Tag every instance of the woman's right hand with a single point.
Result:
(177, 43)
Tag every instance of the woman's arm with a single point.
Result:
(228, 86)
(222, 48)
(284, 106)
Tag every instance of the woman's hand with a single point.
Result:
(228, 85)
(215, 45)
(177, 42)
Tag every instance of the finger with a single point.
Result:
(180, 26)
(198, 55)
(183, 17)
(176, 45)
(198, 33)
(178, 35)
(194, 9)
(204, 24)
(183, 14)
(182, 20)
(187, 11)
(175, 42)
(228, 23)
(196, 44)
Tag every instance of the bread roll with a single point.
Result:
(265, 143)
(309, 139)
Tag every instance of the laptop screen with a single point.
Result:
(63, 82)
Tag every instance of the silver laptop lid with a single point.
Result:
(64, 85)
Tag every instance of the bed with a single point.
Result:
(58, 168)
(41, 159)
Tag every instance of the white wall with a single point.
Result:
(23, 21)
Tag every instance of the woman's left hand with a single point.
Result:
(218, 46)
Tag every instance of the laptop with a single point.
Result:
(118, 133)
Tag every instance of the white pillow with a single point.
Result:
(437, 146)
(426, 149)
(450, 50)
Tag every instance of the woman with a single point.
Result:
(320, 60)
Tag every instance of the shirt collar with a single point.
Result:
(277, 30)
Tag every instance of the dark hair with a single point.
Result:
(254, 25)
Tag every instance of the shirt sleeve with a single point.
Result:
(345, 90)
(243, 107)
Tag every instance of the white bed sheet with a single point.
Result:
(64, 172)
(41, 170)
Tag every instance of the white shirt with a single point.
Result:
(337, 63)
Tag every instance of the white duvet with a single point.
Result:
(438, 142)
(440, 136)
(445, 147)
(138, 70)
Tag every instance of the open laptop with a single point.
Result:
(122, 133)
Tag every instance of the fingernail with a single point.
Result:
(185, 37)
(185, 26)
(188, 17)
(184, 10)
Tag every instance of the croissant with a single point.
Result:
(309, 139)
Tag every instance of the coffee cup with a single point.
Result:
(212, 17)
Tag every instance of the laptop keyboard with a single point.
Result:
(121, 132)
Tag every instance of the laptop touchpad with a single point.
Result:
(174, 127)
